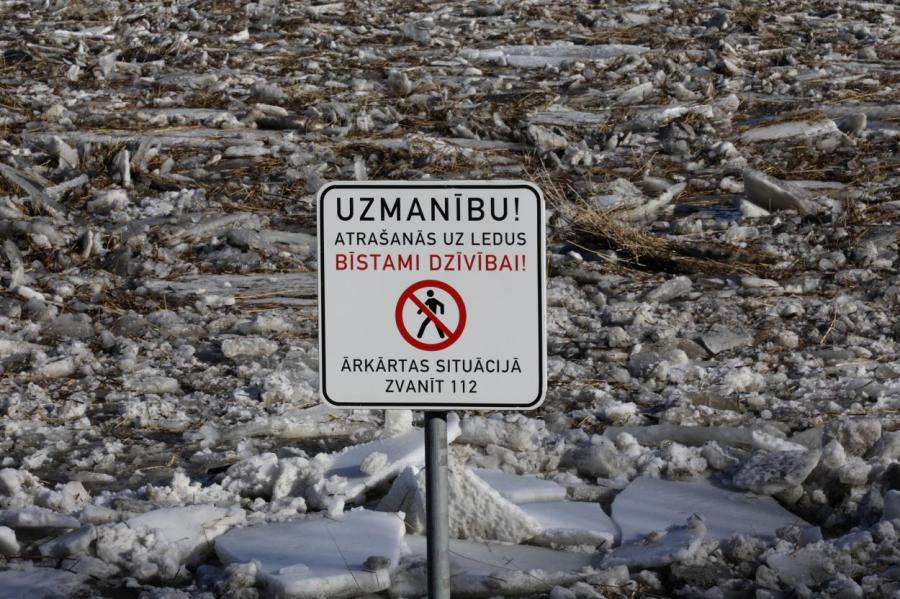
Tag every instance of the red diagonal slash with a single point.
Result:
(410, 294)
(419, 304)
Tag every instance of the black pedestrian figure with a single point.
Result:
(436, 307)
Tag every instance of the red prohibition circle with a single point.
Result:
(451, 336)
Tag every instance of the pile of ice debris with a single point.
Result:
(723, 418)
(606, 516)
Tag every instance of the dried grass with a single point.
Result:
(599, 229)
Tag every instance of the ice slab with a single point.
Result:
(726, 436)
(552, 55)
(199, 137)
(721, 338)
(318, 556)
(770, 472)
(573, 523)
(678, 544)
(188, 530)
(315, 422)
(568, 118)
(790, 129)
(9, 545)
(522, 489)
(485, 569)
(407, 449)
(477, 510)
(36, 517)
(651, 504)
(770, 193)
(273, 286)
(38, 583)
(809, 566)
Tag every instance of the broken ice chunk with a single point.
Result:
(676, 544)
(572, 523)
(853, 124)
(552, 55)
(513, 431)
(9, 545)
(751, 210)
(36, 517)
(318, 556)
(188, 528)
(787, 130)
(635, 94)
(770, 472)
(522, 489)
(720, 338)
(650, 504)
(546, 140)
(46, 583)
(246, 151)
(76, 542)
(477, 510)
(68, 156)
(669, 290)
(485, 569)
(808, 566)
(399, 452)
(159, 543)
(770, 193)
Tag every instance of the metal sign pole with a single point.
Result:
(437, 510)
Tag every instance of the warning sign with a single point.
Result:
(431, 295)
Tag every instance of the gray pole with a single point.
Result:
(437, 510)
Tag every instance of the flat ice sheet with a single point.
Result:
(790, 129)
(483, 558)
(652, 504)
(573, 523)
(487, 569)
(556, 54)
(188, 528)
(38, 583)
(406, 449)
(522, 489)
(319, 556)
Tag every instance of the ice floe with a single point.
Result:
(487, 569)
(651, 505)
(522, 489)
(38, 583)
(320, 556)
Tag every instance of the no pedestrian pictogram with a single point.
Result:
(431, 298)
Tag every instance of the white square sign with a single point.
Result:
(431, 295)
